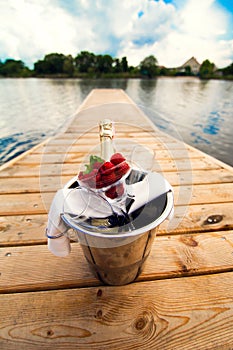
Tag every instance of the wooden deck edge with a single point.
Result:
(23, 154)
(213, 159)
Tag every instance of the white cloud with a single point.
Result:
(191, 30)
(31, 28)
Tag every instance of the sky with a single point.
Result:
(171, 30)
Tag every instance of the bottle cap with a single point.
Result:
(106, 128)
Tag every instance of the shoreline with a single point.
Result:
(112, 76)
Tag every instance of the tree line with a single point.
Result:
(89, 65)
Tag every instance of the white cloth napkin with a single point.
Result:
(76, 202)
(151, 187)
(56, 227)
(83, 202)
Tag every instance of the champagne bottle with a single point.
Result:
(106, 133)
(120, 218)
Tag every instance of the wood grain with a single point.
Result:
(17, 184)
(71, 169)
(39, 203)
(72, 156)
(35, 268)
(29, 229)
(186, 313)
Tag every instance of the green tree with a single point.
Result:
(104, 64)
(148, 67)
(14, 68)
(85, 61)
(163, 71)
(68, 65)
(117, 65)
(51, 64)
(55, 62)
(124, 64)
(41, 67)
(207, 69)
(228, 70)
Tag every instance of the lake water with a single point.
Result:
(198, 112)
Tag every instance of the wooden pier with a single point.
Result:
(184, 297)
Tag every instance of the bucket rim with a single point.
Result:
(165, 214)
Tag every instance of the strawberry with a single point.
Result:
(99, 182)
(120, 189)
(121, 169)
(115, 191)
(106, 168)
(99, 174)
(80, 175)
(117, 158)
(89, 179)
(111, 192)
(108, 179)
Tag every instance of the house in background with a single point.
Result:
(192, 65)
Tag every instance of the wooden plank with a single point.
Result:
(29, 229)
(121, 131)
(33, 184)
(184, 313)
(25, 203)
(198, 177)
(78, 157)
(34, 267)
(59, 158)
(204, 193)
(199, 218)
(58, 169)
(92, 138)
(127, 114)
(36, 203)
(74, 141)
(17, 184)
(22, 229)
(81, 150)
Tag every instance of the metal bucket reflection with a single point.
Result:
(117, 258)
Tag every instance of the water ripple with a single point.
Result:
(13, 145)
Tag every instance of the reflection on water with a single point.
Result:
(213, 126)
(198, 112)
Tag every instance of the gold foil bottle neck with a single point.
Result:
(106, 132)
(106, 128)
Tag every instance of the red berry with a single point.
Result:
(80, 175)
(121, 169)
(117, 158)
(106, 168)
(120, 189)
(111, 192)
(108, 179)
(89, 179)
(115, 191)
(99, 181)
